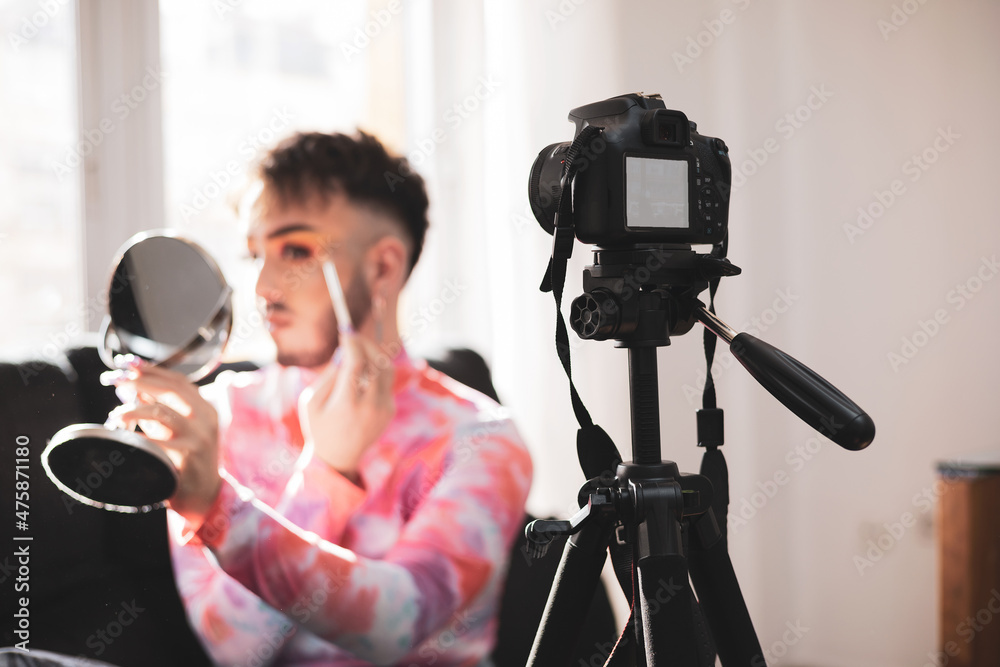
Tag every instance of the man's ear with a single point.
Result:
(387, 264)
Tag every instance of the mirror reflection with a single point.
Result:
(169, 304)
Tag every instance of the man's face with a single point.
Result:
(290, 244)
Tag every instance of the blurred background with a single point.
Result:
(863, 137)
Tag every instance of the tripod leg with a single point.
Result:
(721, 599)
(665, 601)
(703, 635)
(572, 590)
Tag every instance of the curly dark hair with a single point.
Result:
(307, 164)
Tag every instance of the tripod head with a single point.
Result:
(641, 296)
(644, 294)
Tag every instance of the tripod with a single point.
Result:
(663, 527)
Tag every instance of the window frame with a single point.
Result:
(121, 187)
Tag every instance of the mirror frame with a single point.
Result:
(205, 332)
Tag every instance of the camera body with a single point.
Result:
(647, 177)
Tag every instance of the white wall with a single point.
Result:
(853, 300)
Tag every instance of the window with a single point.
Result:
(40, 160)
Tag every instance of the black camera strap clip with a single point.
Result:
(563, 239)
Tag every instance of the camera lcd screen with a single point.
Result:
(656, 193)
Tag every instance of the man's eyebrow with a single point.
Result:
(290, 228)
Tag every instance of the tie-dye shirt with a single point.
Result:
(297, 565)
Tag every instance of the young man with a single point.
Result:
(342, 512)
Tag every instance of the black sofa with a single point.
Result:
(101, 584)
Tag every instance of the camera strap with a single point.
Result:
(599, 457)
(712, 441)
(597, 452)
(710, 419)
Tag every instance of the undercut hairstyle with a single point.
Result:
(314, 164)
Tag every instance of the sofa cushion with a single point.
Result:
(100, 583)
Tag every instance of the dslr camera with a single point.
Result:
(646, 177)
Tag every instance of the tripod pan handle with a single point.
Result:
(815, 401)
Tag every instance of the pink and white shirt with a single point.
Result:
(296, 565)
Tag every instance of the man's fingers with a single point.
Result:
(155, 379)
(166, 387)
(177, 425)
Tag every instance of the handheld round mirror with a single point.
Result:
(169, 304)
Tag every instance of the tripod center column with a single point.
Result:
(645, 404)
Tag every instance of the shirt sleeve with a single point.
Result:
(455, 543)
(323, 500)
(233, 624)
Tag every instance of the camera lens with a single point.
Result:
(544, 185)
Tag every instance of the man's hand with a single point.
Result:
(349, 405)
(174, 415)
